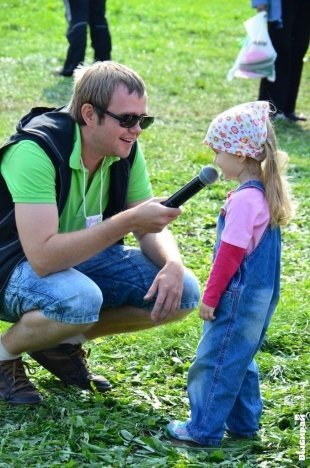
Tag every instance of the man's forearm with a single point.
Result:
(161, 248)
(49, 251)
(66, 250)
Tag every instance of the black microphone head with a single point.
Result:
(208, 175)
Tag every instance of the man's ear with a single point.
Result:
(89, 114)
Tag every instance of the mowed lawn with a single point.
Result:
(183, 50)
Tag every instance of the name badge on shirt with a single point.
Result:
(93, 220)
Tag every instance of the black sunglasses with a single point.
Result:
(129, 120)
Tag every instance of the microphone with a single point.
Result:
(207, 175)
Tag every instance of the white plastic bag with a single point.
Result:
(257, 55)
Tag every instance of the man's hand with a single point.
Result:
(168, 284)
(206, 312)
(152, 216)
(160, 247)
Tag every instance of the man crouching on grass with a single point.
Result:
(73, 183)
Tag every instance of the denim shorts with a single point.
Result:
(119, 275)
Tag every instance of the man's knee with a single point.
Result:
(191, 293)
(78, 305)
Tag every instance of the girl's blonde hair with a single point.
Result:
(276, 187)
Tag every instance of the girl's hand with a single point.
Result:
(206, 312)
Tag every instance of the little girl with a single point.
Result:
(243, 287)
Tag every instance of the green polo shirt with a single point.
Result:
(30, 177)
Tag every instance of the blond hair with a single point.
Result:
(96, 83)
(276, 187)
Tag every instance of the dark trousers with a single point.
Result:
(291, 43)
(80, 14)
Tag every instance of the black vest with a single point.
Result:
(53, 130)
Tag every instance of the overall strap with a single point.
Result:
(252, 184)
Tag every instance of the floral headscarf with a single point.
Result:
(241, 130)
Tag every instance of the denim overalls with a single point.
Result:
(223, 381)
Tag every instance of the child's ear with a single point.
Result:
(240, 158)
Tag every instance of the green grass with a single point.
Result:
(183, 50)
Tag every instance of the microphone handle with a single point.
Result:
(186, 192)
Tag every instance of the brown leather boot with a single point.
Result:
(68, 362)
(15, 387)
